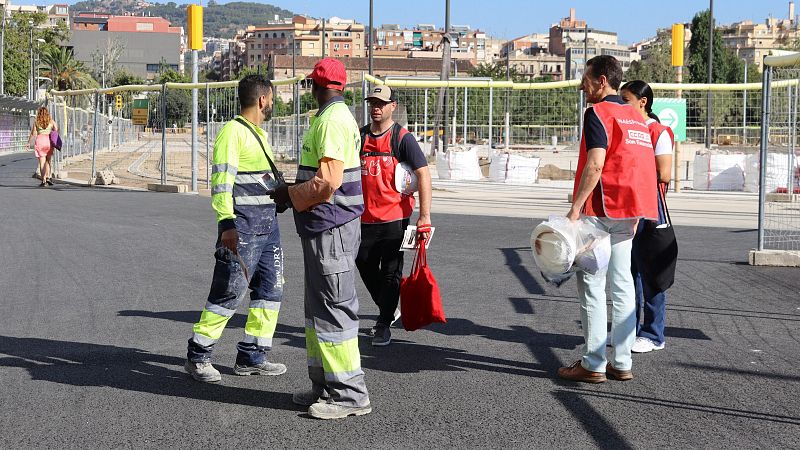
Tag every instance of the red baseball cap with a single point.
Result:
(329, 73)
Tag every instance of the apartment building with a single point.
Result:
(143, 42)
(425, 41)
(58, 13)
(752, 41)
(344, 38)
(569, 36)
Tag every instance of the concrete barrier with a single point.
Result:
(777, 258)
(171, 188)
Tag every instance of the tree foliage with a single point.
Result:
(178, 101)
(65, 72)
(496, 71)
(726, 68)
(657, 67)
(18, 47)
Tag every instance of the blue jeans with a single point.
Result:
(650, 303)
(263, 257)
(592, 295)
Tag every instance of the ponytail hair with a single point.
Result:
(640, 90)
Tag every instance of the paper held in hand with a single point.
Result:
(410, 239)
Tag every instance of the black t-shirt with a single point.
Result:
(408, 150)
(593, 128)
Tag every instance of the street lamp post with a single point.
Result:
(37, 61)
(710, 70)
(30, 81)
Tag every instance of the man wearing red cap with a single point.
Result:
(327, 203)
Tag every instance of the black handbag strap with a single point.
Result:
(662, 192)
(277, 174)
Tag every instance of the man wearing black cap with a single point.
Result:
(385, 145)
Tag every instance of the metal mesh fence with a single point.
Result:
(95, 142)
(540, 117)
(15, 126)
(155, 147)
(779, 208)
(524, 117)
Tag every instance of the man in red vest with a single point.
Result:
(615, 186)
(387, 206)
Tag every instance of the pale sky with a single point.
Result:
(632, 20)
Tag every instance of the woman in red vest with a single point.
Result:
(650, 303)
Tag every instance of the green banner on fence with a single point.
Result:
(672, 113)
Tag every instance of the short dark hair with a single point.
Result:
(606, 65)
(251, 88)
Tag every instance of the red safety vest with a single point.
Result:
(627, 187)
(656, 129)
(382, 202)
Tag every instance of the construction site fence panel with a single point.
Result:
(778, 162)
(488, 115)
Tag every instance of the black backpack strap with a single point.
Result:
(277, 174)
(395, 142)
(364, 132)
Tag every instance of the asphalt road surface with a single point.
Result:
(99, 289)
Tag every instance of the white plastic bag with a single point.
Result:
(560, 247)
(594, 248)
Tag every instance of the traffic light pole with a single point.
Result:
(194, 122)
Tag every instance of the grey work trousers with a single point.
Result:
(331, 313)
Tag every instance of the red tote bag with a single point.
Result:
(420, 301)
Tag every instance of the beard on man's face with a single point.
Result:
(267, 112)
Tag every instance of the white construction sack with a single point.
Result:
(458, 164)
(714, 172)
(777, 175)
(514, 169)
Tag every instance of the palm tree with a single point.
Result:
(60, 65)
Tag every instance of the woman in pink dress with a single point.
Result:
(40, 138)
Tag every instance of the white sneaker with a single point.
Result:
(645, 345)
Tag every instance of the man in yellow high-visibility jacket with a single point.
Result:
(249, 253)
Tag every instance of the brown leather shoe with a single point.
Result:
(576, 372)
(619, 375)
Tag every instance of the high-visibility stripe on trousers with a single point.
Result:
(331, 311)
(263, 257)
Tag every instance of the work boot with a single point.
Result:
(576, 372)
(203, 371)
(381, 336)
(265, 368)
(336, 411)
(308, 398)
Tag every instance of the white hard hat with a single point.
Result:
(553, 249)
(405, 179)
